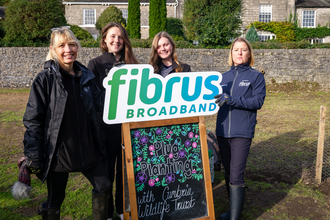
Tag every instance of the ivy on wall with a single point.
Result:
(307, 33)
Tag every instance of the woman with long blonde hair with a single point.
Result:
(163, 57)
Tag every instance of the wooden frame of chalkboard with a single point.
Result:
(168, 172)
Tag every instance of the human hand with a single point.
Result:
(35, 166)
(222, 99)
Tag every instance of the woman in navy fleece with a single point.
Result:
(244, 92)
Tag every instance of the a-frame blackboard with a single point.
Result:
(167, 166)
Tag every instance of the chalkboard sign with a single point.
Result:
(168, 170)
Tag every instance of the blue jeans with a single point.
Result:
(234, 153)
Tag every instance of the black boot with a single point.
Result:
(50, 213)
(237, 196)
(100, 206)
(226, 215)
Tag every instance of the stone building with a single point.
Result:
(309, 13)
(85, 13)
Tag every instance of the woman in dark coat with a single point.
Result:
(62, 128)
(116, 49)
(163, 57)
(244, 92)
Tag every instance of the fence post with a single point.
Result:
(320, 146)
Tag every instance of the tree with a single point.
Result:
(80, 33)
(212, 22)
(252, 35)
(175, 27)
(134, 19)
(157, 17)
(30, 21)
(110, 14)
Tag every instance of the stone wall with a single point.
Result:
(19, 66)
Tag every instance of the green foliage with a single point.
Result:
(284, 31)
(134, 19)
(29, 22)
(157, 17)
(110, 14)
(90, 43)
(307, 33)
(252, 35)
(175, 27)
(4, 2)
(212, 22)
(80, 33)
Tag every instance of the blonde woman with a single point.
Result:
(244, 92)
(163, 57)
(62, 128)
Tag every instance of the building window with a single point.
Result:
(316, 40)
(89, 17)
(266, 37)
(308, 19)
(125, 13)
(265, 13)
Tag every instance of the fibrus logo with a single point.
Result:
(135, 93)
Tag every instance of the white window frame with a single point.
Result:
(125, 13)
(271, 36)
(303, 19)
(88, 24)
(316, 40)
(265, 9)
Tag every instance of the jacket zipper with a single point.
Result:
(231, 93)
(79, 132)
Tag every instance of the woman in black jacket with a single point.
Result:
(62, 128)
(116, 49)
(163, 57)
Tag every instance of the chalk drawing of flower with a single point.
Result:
(170, 155)
(139, 159)
(137, 133)
(182, 153)
(154, 159)
(151, 182)
(196, 136)
(141, 178)
(170, 178)
(170, 132)
(187, 143)
(193, 171)
(157, 179)
(159, 131)
(151, 147)
(191, 134)
(194, 144)
(144, 140)
(168, 136)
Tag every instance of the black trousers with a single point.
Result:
(234, 153)
(56, 184)
(114, 155)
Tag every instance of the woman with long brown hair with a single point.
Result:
(163, 57)
(117, 50)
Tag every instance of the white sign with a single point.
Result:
(134, 93)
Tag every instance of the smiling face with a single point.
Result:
(164, 49)
(66, 53)
(240, 53)
(114, 40)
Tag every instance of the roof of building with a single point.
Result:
(312, 3)
(112, 1)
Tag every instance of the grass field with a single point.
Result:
(279, 172)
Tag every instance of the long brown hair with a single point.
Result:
(127, 50)
(155, 59)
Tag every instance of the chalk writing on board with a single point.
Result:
(168, 170)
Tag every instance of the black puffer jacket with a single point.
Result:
(45, 109)
(185, 67)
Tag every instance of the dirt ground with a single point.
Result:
(274, 202)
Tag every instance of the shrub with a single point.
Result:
(110, 14)
(284, 31)
(252, 35)
(29, 22)
(81, 33)
(157, 17)
(308, 33)
(134, 19)
(175, 27)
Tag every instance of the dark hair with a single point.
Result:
(127, 50)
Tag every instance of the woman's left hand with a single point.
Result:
(222, 99)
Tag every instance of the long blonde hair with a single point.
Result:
(127, 50)
(240, 39)
(57, 37)
(155, 59)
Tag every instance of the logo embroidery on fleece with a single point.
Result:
(244, 83)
